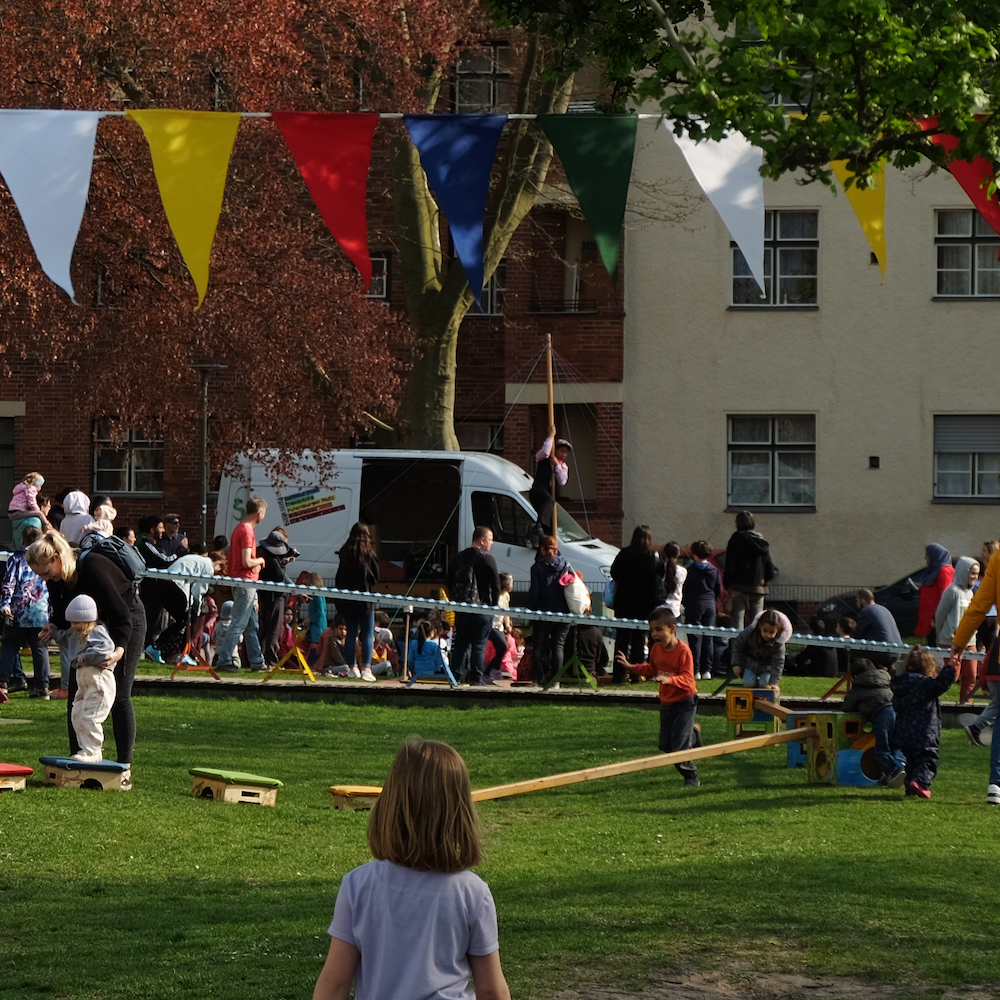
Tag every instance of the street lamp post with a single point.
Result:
(206, 369)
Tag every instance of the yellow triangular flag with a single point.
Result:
(869, 207)
(191, 151)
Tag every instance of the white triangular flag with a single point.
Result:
(45, 158)
(728, 171)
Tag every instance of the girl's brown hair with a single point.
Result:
(424, 818)
(359, 546)
(921, 661)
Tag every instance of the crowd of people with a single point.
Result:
(76, 578)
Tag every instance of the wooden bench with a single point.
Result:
(352, 797)
(236, 787)
(108, 775)
(14, 776)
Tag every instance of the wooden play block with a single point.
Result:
(108, 775)
(13, 777)
(234, 786)
(354, 796)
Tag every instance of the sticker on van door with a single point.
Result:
(308, 504)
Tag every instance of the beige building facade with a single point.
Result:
(857, 419)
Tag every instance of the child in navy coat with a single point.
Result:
(915, 696)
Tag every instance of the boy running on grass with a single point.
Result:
(671, 663)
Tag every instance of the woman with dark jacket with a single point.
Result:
(358, 570)
(638, 575)
(546, 594)
(748, 570)
(119, 609)
(277, 554)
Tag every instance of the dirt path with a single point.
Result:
(745, 985)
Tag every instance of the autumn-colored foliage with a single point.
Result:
(306, 352)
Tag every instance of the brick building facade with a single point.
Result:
(551, 284)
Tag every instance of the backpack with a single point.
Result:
(126, 557)
(463, 586)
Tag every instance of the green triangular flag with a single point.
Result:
(597, 151)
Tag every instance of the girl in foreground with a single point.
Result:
(416, 922)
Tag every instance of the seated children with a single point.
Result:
(871, 697)
(424, 657)
(671, 663)
(759, 650)
(918, 717)
(287, 639)
(88, 645)
(334, 662)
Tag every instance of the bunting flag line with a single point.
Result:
(869, 206)
(972, 175)
(333, 152)
(457, 153)
(728, 171)
(191, 151)
(597, 152)
(45, 159)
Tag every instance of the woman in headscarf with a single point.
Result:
(933, 582)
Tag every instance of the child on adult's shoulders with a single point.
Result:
(672, 665)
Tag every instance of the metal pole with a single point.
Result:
(552, 423)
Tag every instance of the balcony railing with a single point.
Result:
(562, 307)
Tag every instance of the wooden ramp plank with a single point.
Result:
(644, 763)
(769, 706)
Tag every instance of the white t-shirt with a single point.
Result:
(673, 600)
(414, 930)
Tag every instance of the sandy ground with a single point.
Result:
(745, 985)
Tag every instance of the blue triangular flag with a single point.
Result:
(457, 152)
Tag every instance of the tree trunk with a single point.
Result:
(438, 299)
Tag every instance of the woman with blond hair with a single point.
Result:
(69, 575)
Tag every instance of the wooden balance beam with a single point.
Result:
(769, 706)
(625, 767)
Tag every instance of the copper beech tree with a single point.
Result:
(307, 354)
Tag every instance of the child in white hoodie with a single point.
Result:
(949, 613)
(88, 646)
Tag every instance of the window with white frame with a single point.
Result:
(967, 457)
(134, 465)
(493, 294)
(791, 262)
(968, 254)
(482, 78)
(381, 275)
(772, 461)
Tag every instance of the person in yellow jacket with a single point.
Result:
(985, 598)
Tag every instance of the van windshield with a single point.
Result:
(569, 530)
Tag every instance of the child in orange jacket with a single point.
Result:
(671, 663)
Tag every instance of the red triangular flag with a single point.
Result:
(972, 176)
(333, 152)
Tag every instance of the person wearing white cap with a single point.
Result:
(88, 645)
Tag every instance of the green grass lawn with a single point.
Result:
(105, 896)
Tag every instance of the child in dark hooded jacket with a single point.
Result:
(918, 717)
(871, 697)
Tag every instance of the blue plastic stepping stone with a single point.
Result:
(78, 765)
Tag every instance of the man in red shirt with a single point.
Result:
(244, 564)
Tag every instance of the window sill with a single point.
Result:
(967, 501)
(131, 496)
(772, 308)
(965, 298)
(775, 509)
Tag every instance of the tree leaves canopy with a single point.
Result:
(809, 81)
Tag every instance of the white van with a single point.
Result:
(422, 507)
